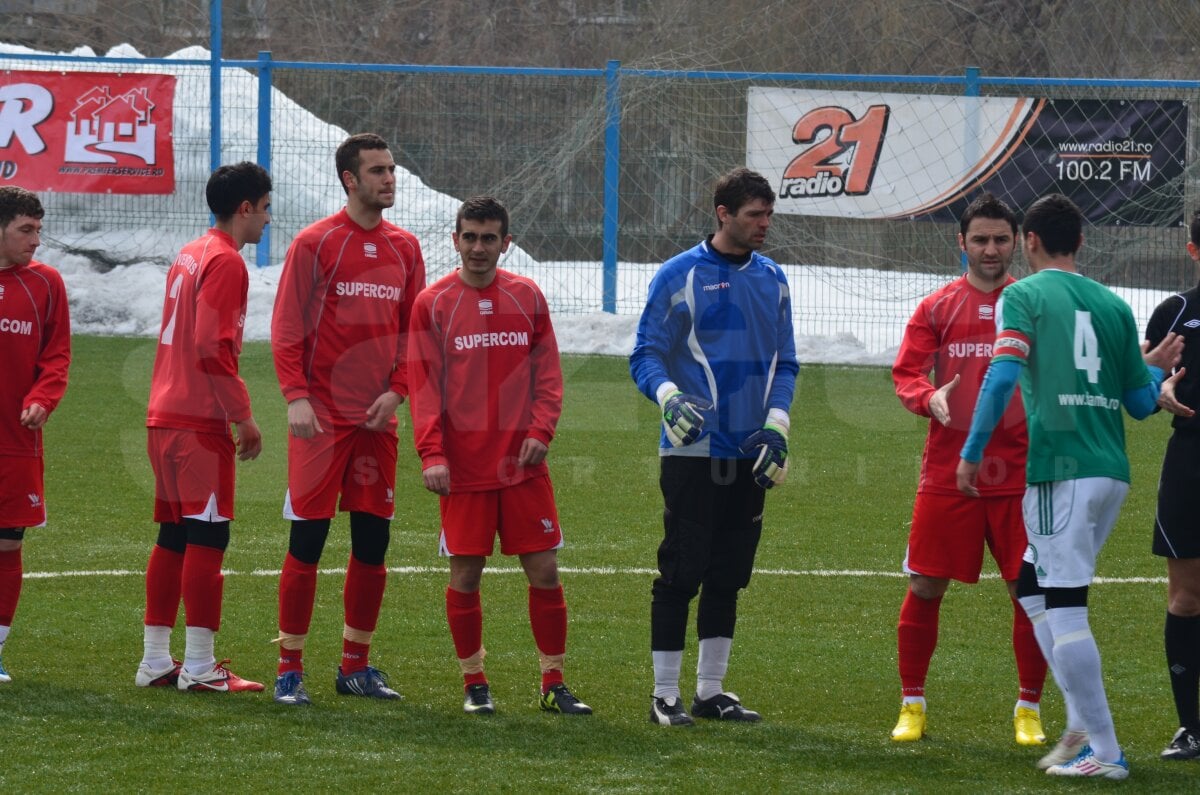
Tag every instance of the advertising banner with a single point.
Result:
(87, 132)
(875, 155)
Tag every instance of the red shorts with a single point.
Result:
(23, 495)
(523, 516)
(193, 475)
(949, 531)
(357, 463)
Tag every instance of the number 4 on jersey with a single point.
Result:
(1087, 347)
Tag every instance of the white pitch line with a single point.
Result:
(599, 570)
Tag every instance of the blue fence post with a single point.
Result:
(262, 253)
(612, 180)
(214, 85)
(971, 136)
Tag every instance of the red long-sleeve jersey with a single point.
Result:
(339, 328)
(195, 384)
(485, 376)
(950, 334)
(35, 351)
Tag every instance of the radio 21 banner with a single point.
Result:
(873, 155)
(87, 132)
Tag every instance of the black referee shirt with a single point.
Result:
(1181, 313)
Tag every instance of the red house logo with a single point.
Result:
(102, 124)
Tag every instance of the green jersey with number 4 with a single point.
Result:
(1079, 344)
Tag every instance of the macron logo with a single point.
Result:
(717, 286)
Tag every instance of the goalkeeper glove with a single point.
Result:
(771, 465)
(681, 417)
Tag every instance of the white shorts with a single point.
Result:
(1066, 523)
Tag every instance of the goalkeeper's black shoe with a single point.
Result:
(1185, 745)
(723, 706)
(669, 712)
(558, 698)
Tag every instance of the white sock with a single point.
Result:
(156, 647)
(1035, 608)
(198, 655)
(711, 667)
(666, 673)
(914, 700)
(1078, 660)
(3, 635)
(1036, 707)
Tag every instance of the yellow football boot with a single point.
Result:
(1027, 724)
(911, 726)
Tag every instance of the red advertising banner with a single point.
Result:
(87, 132)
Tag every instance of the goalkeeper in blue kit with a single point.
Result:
(715, 349)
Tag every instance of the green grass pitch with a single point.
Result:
(815, 650)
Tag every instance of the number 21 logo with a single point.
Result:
(842, 154)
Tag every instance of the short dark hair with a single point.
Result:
(739, 187)
(987, 206)
(16, 201)
(482, 208)
(229, 186)
(349, 154)
(1057, 222)
(1194, 229)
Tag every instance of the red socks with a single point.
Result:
(362, 598)
(548, 619)
(916, 639)
(203, 586)
(297, 591)
(11, 572)
(354, 656)
(464, 613)
(290, 660)
(164, 584)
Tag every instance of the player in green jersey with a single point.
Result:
(1075, 346)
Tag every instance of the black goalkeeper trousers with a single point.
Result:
(712, 521)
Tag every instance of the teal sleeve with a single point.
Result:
(1141, 402)
(994, 394)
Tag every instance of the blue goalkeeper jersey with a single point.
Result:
(722, 331)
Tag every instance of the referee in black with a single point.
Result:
(1176, 527)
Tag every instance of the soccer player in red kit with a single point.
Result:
(486, 397)
(951, 334)
(339, 338)
(36, 330)
(195, 393)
